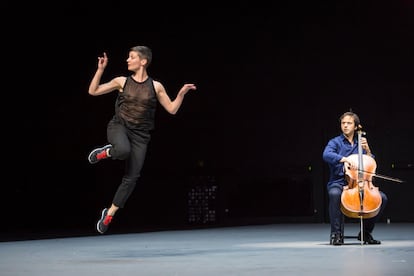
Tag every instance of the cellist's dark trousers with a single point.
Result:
(337, 217)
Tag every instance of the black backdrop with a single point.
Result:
(272, 81)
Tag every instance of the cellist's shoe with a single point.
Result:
(336, 239)
(368, 239)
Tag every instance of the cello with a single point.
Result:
(360, 198)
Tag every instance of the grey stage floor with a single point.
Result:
(276, 249)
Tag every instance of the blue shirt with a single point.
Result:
(337, 148)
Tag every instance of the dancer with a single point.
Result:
(129, 130)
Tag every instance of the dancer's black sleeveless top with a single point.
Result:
(137, 103)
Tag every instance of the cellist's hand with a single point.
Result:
(365, 146)
(349, 163)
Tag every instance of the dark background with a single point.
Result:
(246, 147)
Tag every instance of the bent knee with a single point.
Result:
(121, 153)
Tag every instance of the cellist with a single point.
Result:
(335, 155)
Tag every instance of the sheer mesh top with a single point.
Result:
(137, 103)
